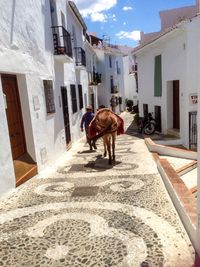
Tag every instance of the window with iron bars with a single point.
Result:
(80, 94)
(73, 98)
(49, 96)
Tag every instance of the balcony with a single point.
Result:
(80, 57)
(134, 69)
(96, 78)
(62, 44)
(114, 89)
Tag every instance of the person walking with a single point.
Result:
(85, 121)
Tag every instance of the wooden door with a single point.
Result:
(14, 116)
(66, 114)
(176, 111)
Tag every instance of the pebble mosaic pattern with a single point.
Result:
(128, 222)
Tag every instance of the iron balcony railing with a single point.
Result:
(80, 56)
(62, 41)
(96, 77)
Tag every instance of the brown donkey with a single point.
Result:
(108, 125)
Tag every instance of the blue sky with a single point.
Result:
(121, 20)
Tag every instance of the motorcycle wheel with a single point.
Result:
(149, 128)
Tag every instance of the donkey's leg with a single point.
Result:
(109, 149)
(104, 145)
(113, 146)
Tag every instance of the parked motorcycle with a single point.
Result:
(147, 125)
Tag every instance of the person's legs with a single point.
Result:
(88, 140)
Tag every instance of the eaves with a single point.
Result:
(179, 27)
(89, 47)
(77, 14)
(159, 39)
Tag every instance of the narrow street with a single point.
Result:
(90, 214)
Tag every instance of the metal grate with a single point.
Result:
(193, 130)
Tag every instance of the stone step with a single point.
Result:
(174, 132)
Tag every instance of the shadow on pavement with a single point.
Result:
(87, 151)
(101, 164)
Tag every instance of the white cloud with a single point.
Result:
(124, 23)
(113, 17)
(98, 17)
(125, 8)
(88, 8)
(134, 35)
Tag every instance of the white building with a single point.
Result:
(130, 79)
(117, 84)
(94, 78)
(42, 82)
(169, 82)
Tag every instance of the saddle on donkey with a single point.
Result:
(106, 124)
(105, 121)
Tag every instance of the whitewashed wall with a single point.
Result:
(91, 61)
(119, 80)
(26, 47)
(193, 68)
(174, 53)
(26, 51)
(103, 66)
(104, 90)
(7, 177)
(180, 61)
(129, 82)
(72, 22)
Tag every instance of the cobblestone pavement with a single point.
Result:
(90, 214)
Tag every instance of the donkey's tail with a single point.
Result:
(107, 130)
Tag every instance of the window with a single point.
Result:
(158, 76)
(157, 112)
(80, 94)
(111, 85)
(73, 97)
(110, 61)
(117, 67)
(49, 97)
(134, 67)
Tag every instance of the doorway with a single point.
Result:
(66, 115)
(157, 112)
(14, 116)
(24, 165)
(176, 109)
(145, 110)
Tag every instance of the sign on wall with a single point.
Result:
(193, 99)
